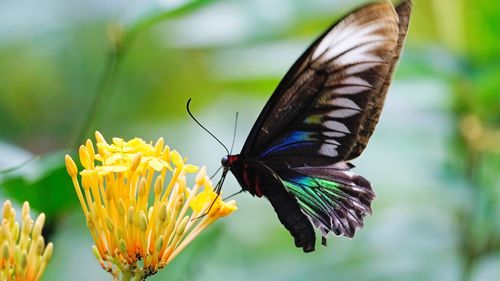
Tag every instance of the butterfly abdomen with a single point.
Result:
(286, 207)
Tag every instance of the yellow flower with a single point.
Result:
(24, 255)
(219, 208)
(132, 212)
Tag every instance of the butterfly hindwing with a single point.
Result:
(335, 199)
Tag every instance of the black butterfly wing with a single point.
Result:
(328, 103)
(325, 110)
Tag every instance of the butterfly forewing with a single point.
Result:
(326, 92)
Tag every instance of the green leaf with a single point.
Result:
(44, 183)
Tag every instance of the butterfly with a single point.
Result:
(320, 117)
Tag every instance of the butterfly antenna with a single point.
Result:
(234, 133)
(206, 130)
(216, 172)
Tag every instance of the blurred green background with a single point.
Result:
(127, 68)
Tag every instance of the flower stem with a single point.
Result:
(139, 277)
(127, 275)
(103, 90)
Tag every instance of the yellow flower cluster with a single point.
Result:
(24, 255)
(138, 205)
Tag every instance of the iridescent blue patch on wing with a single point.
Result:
(292, 140)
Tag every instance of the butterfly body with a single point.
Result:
(249, 173)
(320, 117)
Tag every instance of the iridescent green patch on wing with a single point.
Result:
(336, 205)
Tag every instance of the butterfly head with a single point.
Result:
(228, 161)
(225, 161)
